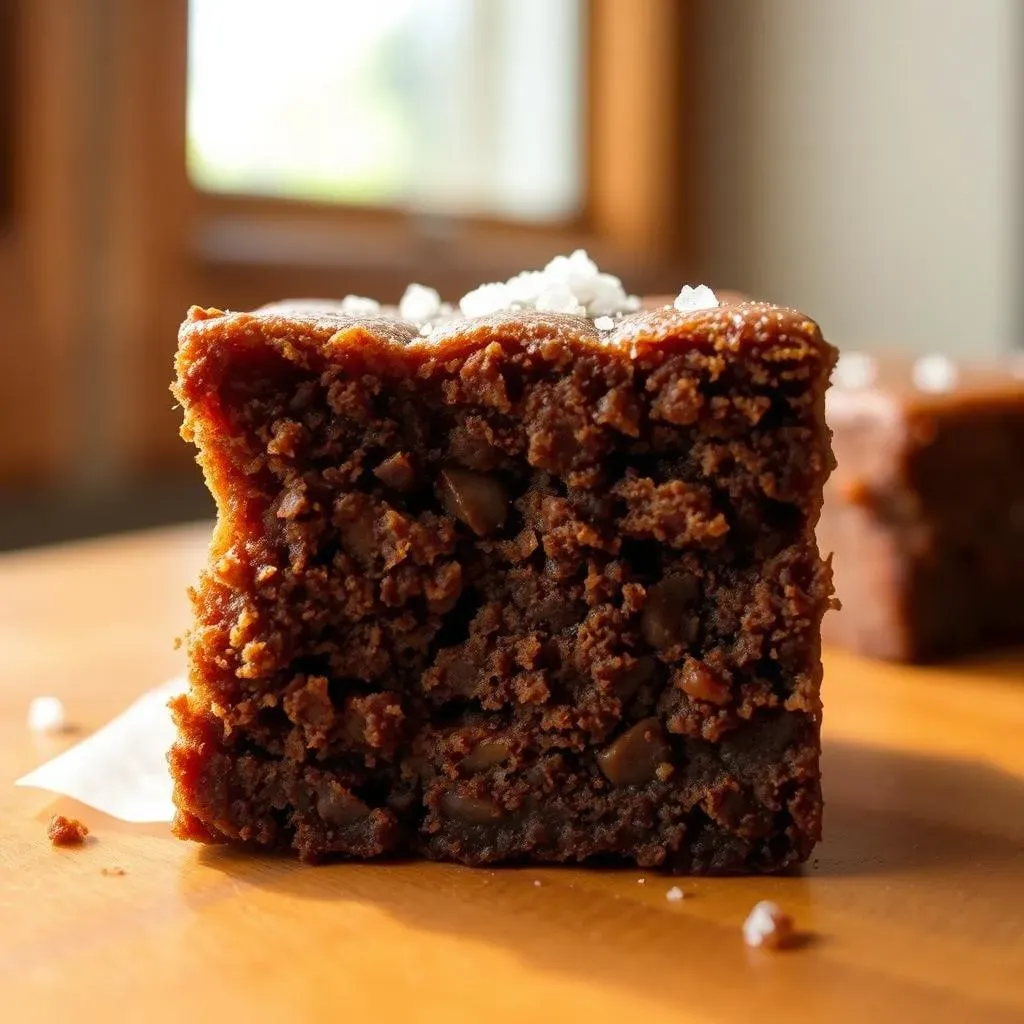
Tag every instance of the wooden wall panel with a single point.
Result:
(43, 291)
(147, 202)
(638, 187)
(8, 54)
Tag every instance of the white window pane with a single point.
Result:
(460, 106)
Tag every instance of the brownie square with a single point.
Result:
(521, 590)
(925, 513)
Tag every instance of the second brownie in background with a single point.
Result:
(925, 512)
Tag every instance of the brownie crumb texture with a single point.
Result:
(768, 927)
(63, 831)
(521, 590)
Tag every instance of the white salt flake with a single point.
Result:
(855, 370)
(359, 305)
(674, 895)
(689, 299)
(559, 299)
(935, 373)
(536, 882)
(767, 925)
(568, 284)
(641, 881)
(603, 323)
(603, 295)
(419, 303)
(487, 299)
(524, 288)
(46, 715)
(577, 270)
(427, 330)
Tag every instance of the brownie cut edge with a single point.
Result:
(521, 590)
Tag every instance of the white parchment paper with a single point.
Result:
(120, 769)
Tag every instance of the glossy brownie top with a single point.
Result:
(318, 327)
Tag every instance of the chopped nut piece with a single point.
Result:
(397, 472)
(698, 682)
(472, 809)
(337, 806)
(669, 616)
(635, 756)
(486, 754)
(479, 501)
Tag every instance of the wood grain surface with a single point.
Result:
(913, 908)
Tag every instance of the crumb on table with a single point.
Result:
(113, 872)
(675, 894)
(64, 831)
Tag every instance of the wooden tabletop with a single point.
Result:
(913, 908)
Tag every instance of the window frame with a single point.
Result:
(634, 73)
(164, 244)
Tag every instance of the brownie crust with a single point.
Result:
(521, 590)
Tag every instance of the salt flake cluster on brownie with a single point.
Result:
(571, 285)
(568, 284)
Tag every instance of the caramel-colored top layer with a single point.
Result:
(315, 328)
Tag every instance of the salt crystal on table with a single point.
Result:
(767, 925)
(674, 895)
(359, 305)
(46, 714)
(689, 299)
(419, 303)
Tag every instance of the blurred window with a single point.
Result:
(467, 107)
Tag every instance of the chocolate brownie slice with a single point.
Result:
(527, 588)
(926, 512)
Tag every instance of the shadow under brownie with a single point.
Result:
(524, 589)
